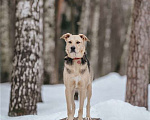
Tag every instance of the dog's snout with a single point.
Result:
(73, 49)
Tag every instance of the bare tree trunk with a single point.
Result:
(138, 62)
(119, 30)
(84, 20)
(12, 23)
(49, 41)
(11, 31)
(5, 50)
(124, 58)
(40, 60)
(106, 64)
(58, 19)
(101, 37)
(94, 36)
(26, 65)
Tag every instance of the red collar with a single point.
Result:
(79, 61)
(76, 58)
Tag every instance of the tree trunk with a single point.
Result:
(84, 20)
(102, 29)
(26, 65)
(94, 36)
(11, 29)
(49, 41)
(40, 60)
(138, 62)
(58, 19)
(5, 50)
(106, 63)
(124, 58)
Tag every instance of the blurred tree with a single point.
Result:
(26, 61)
(106, 60)
(40, 60)
(49, 42)
(94, 37)
(124, 58)
(84, 19)
(108, 25)
(121, 14)
(138, 62)
(6, 54)
(11, 4)
(58, 18)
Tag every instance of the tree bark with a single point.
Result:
(94, 36)
(49, 41)
(84, 19)
(102, 29)
(124, 58)
(26, 65)
(58, 19)
(138, 62)
(40, 60)
(106, 63)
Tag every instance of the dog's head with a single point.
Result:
(75, 45)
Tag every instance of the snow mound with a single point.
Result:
(119, 110)
(109, 110)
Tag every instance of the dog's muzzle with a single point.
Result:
(72, 49)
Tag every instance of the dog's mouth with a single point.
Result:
(72, 52)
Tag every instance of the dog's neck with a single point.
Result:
(81, 61)
(76, 58)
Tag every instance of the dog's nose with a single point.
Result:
(73, 49)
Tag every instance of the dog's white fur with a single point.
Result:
(75, 79)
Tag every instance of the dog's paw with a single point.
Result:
(88, 118)
(70, 118)
(80, 118)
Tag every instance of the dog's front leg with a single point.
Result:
(82, 98)
(68, 100)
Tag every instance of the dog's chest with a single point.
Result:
(76, 68)
(76, 80)
(76, 72)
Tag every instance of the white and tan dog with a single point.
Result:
(77, 74)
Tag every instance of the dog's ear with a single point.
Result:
(65, 36)
(84, 37)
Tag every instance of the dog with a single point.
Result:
(77, 75)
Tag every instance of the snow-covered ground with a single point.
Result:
(107, 102)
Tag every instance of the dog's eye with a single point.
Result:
(70, 42)
(78, 42)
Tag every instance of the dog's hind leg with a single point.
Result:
(89, 94)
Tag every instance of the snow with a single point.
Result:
(107, 102)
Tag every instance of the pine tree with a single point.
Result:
(138, 61)
(26, 61)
